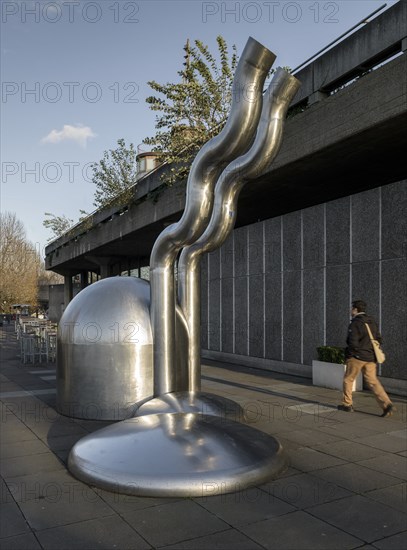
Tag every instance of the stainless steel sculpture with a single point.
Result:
(184, 442)
(251, 165)
(176, 455)
(107, 364)
(105, 351)
(243, 169)
(233, 140)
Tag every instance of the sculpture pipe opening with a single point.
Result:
(235, 138)
(256, 161)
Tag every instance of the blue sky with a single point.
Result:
(74, 80)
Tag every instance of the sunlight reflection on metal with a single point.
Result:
(184, 442)
(176, 455)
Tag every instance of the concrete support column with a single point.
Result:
(84, 279)
(108, 265)
(105, 268)
(115, 269)
(68, 289)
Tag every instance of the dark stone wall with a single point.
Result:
(280, 288)
(214, 300)
(227, 292)
(56, 302)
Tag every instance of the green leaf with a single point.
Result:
(331, 354)
(190, 112)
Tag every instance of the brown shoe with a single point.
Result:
(346, 408)
(387, 411)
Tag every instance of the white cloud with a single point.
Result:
(78, 133)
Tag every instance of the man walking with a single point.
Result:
(360, 356)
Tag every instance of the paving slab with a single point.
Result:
(388, 424)
(245, 506)
(46, 485)
(174, 522)
(390, 463)
(351, 430)
(362, 517)
(350, 451)
(310, 438)
(275, 427)
(307, 460)
(65, 509)
(98, 534)
(63, 442)
(20, 542)
(356, 478)
(46, 429)
(333, 457)
(127, 503)
(6, 387)
(22, 465)
(304, 490)
(16, 433)
(23, 448)
(394, 496)
(396, 542)
(392, 442)
(62, 455)
(402, 433)
(225, 540)
(301, 531)
(28, 407)
(5, 495)
(289, 472)
(12, 521)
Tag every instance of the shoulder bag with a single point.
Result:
(379, 353)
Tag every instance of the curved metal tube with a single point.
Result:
(251, 165)
(233, 141)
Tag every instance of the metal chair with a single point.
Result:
(51, 346)
(29, 348)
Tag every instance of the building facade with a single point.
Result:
(281, 287)
(326, 224)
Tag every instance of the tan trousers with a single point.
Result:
(353, 368)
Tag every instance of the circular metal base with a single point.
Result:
(207, 404)
(180, 454)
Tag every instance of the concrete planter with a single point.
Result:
(330, 375)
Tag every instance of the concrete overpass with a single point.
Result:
(348, 137)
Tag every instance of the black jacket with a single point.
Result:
(358, 340)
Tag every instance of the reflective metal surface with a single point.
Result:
(183, 443)
(256, 161)
(232, 141)
(105, 363)
(179, 454)
(203, 403)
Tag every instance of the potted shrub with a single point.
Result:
(329, 368)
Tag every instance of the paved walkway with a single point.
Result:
(346, 486)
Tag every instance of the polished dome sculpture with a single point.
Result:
(130, 350)
(105, 351)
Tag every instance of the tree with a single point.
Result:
(57, 224)
(19, 264)
(195, 109)
(114, 175)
